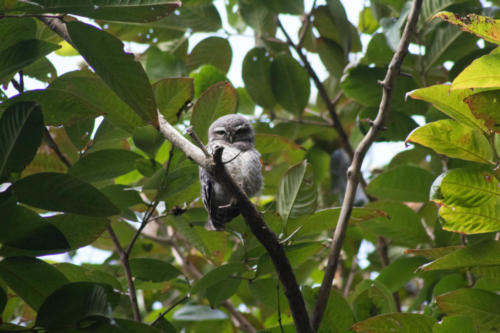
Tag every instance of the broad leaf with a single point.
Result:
(217, 275)
(148, 139)
(31, 279)
(432, 7)
(297, 192)
(202, 17)
(483, 72)
(79, 273)
(290, 84)
(106, 56)
(104, 164)
(399, 272)
(484, 253)
(454, 140)
(171, 95)
(221, 291)
(67, 194)
(469, 187)
(127, 11)
(256, 73)
(150, 269)
(199, 313)
(482, 26)
(450, 102)
(371, 297)
(76, 301)
(215, 51)
(217, 101)
(480, 305)
(396, 323)
(17, 56)
(452, 324)
(403, 183)
(21, 127)
(484, 106)
(471, 220)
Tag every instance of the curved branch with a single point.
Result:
(355, 169)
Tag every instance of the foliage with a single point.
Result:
(82, 163)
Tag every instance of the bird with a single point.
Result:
(242, 161)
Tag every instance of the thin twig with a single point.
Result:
(128, 274)
(279, 306)
(350, 277)
(304, 121)
(181, 300)
(197, 140)
(55, 148)
(305, 27)
(355, 168)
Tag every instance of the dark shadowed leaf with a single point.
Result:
(21, 127)
(76, 273)
(155, 270)
(105, 54)
(217, 101)
(148, 139)
(17, 56)
(31, 279)
(76, 301)
(217, 275)
(104, 164)
(290, 84)
(215, 51)
(256, 73)
(128, 11)
(67, 194)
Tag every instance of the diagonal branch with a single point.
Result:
(355, 168)
(252, 217)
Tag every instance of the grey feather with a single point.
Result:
(242, 161)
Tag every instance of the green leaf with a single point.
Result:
(338, 316)
(297, 192)
(256, 73)
(161, 65)
(258, 16)
(399, 272)
(483, 253)
(371, 297)
(217, 101)
(297, 254)
(128, 11)
(76, 301)
(67, 194)
(480, 305)
(484, 106)
(469, 187)
(215, 51)
(221, 291)
(86, 95)
(295, 7)
(401, 224)
(149, 269)
(217, 275)
(367, 22)
(482, 26)
(148, 139)
(3, 299)
(79, 230)
(450, 102)
(341, 22)
(290, 84)
(171, 95)
(332, 56)
(453, 140)
(14, 31)
(402, 183)
(471, 220)
(76, 273)
(483, 72)
(432, 7)
(204, 17)
(22, 228)
(434, 253)
(396, 323)
(245, 103)
(178, 180)
(104, 164)
(264, 290)
(21, 127)
(205, 77)
(31, 279)
(105, 54)
(272, 143)
(17, 56)
(452, 324)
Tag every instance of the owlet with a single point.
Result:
(242, 161)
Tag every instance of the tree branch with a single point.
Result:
(128, 274)
(55, 148)
(252, 217)
(355, 168)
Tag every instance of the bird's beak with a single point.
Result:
(230, 137)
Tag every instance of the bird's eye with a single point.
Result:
(220, 132)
